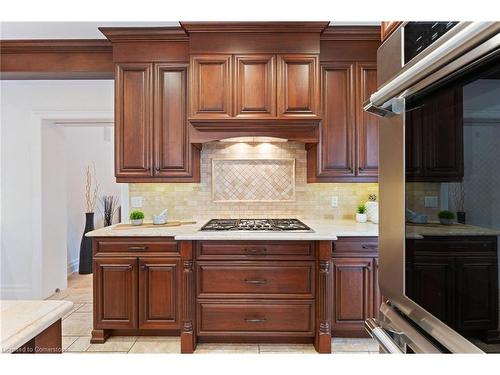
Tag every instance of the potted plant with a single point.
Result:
(136, 217)
(446, 217)
(361, 214)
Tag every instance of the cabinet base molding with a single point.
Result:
(99, 336)
(256, 339)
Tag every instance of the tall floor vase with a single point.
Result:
(85, 266)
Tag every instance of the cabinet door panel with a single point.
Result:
(337, 127)
(443, 136)
(367, 123)
(211, 86)
(255, 86)
(477, 294)
(353, 294)
(115, 293)
(159, 282)
(133, 120)
(298, 93)
(171, 143)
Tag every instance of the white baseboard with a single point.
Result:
(73, 266)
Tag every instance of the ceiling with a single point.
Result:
(89, 30)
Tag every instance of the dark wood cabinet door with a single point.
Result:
(115, 293)
(170, 123)
(210, 86)
(298, 91)
(432, 286)
(476, 294)
(443, 136)
(159, 283)
(336, 153)
(367, 123)
(133, 120)
(413, 143)
(353, 295)
(255, 86)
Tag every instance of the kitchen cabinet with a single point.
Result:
(454, 278)
(348, 147)
(115, 293)
(437, 123)
(355, 285)
(254, 86)
(211, 86)
(151, 140)
(136, 285)
(298, 85)
(133, 120)
(387, 28)
(159, 281)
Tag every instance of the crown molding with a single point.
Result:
(351, 33)
(55, 46)
(254, 27)
(137, 34)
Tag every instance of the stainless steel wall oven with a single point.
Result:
(439, 102)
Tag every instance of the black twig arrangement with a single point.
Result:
(110, 206)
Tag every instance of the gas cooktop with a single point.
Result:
(271, 225)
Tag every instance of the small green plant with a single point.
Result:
(361, 209)
(136, 215)
(446, 215)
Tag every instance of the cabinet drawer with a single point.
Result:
(282, 250)
(252, 319)
(135, 245)
(355, 245)
(255, 279)
(456, 244)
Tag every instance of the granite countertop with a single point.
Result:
(323, 230)
(23, 320)
(419, 231)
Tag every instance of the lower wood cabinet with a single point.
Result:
(136, 286)
(356, 295)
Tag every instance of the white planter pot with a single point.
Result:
(361, 218)
(372, 211)
(136, 222)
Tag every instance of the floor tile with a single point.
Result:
(77, 324)
(80, 345)
(170, 347)
(86, 308)
(286, 348)
(76, 307)
(354, 345)
(67, 341)
(227, 348)
(121, 344)
(159, 338)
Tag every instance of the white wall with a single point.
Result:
(30, 266)
(83, 146)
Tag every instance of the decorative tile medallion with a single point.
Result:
(253, 180)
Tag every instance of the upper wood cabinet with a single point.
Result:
(211, 91)
(298, 91)
(151, 140)
(367, 124)
(387, 28)
(348, 146)
(133, 120)
(255, 86)
(435, 146)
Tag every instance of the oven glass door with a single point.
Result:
(452, 200)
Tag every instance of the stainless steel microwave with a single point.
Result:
(438, 99)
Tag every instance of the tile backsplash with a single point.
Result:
(196, 200)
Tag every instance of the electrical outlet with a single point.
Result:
(431, 201)
(136, 202)
(335, 201)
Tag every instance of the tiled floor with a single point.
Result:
(77, 325)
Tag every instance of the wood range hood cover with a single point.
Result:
(250, 79)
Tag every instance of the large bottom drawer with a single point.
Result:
(293, 318)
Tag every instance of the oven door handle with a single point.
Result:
(384, 340)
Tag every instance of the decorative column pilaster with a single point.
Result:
(324, 297)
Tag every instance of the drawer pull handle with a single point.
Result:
(256, 320)
(257, 282)
(137, 248)
(255, 251)
(371, 247)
